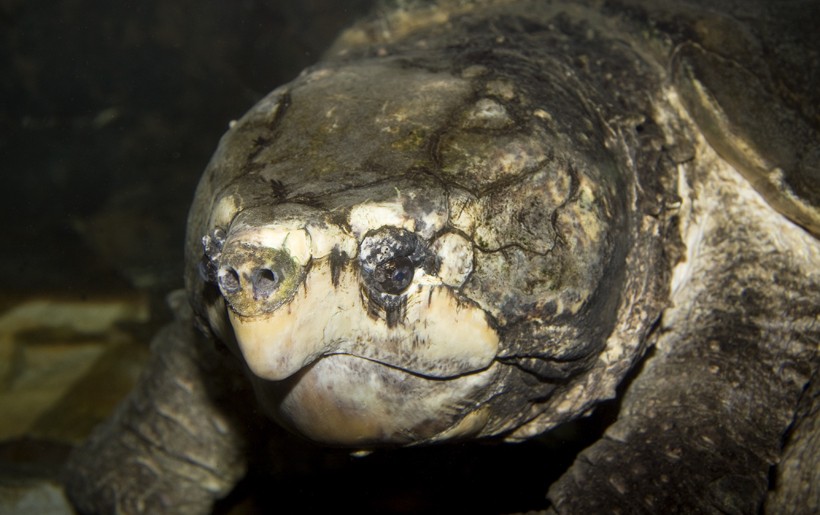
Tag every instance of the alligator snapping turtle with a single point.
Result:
(474, 219)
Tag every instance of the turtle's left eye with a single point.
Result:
(389, 257)
(394, 275)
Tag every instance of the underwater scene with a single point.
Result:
(110, 113)
(409, 256)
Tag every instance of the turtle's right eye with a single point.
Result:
(394, 275)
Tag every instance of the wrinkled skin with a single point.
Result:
(474, 223)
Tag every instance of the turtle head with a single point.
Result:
(403, 256)
(354, 329)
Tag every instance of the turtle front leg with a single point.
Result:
(172, 446)
(698, 432)
(704, 421)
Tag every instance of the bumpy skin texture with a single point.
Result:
(172, 446)
(702, 423)
(614, 194)
(798, 478)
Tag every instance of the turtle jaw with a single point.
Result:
(439, 335)
(350, 401)
(330, 368)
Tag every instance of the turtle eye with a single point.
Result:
(389, 257)
(394, 275)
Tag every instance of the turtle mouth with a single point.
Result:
(349, 400)
(421, 374)
(440, 335)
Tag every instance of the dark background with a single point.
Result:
(110, 112)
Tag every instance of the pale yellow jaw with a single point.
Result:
(330, 370)
(345, 400)
(438, 336)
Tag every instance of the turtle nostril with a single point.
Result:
(265, 281)
(229, 280)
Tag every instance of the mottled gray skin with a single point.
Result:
(626, 230)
